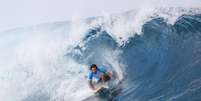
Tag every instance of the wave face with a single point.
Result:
(165, 63)
(157, 56)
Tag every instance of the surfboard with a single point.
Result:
(106, 91)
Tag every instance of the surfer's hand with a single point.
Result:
(91, 85)
(93, 88)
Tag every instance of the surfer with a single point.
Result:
(98, 75)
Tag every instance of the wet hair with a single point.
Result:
(92, 66)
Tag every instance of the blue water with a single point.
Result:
(165, 62)
(161, 63)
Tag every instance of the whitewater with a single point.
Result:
(156, 53)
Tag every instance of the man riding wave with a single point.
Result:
(98, 75)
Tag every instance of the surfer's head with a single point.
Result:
(93, 67)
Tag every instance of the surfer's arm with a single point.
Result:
(90, 76)
(91, 84)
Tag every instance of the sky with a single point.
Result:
(20, 13)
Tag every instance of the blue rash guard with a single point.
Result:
(97, 75)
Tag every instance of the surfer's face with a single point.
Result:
(93, 69)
